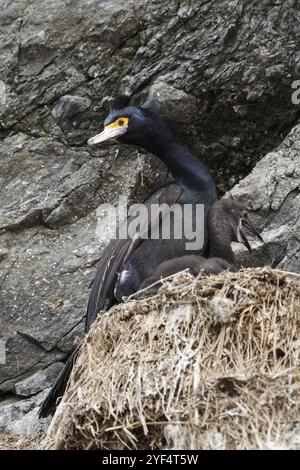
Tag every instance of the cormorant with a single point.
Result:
(227, 219)
(125, 263)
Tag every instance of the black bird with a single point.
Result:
(227, 219)
(125, 264)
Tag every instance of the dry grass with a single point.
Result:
(17, 442)
(207, 363)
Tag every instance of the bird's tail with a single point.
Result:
(57, 390)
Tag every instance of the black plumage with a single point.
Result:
(137, 258)
(192, 184)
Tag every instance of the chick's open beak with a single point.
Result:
(246, 223)
(242, 235)
(243, 239)
(107, 134)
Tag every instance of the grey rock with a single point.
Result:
(90, 51)
(21, 416)
(39, 381)
(272, 194)
(3, 93)
(3, 253)
(51, 247)
(69, 106)
(178, 106)
(94, 71)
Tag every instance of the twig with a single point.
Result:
(290, 273)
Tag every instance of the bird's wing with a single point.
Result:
(118, 251)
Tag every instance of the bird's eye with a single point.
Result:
(122, 121)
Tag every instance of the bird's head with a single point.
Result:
(136, 125)
(233, 219)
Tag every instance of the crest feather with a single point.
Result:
(119, 102)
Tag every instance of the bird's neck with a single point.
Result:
(220, 246)
(186, 169)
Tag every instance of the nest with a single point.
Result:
(206, 363)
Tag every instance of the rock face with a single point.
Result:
(21, 417)
(223, 72)
(272, 194)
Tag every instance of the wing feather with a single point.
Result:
(118, 251)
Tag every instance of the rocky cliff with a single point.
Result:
(223, 72)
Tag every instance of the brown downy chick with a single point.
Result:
(227, 221)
